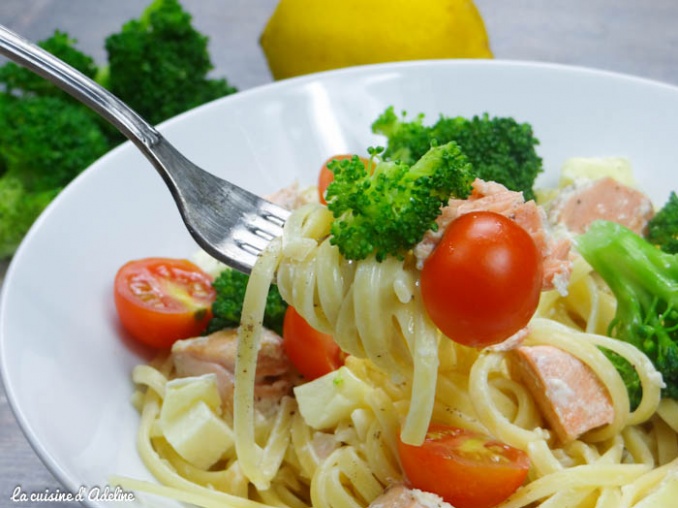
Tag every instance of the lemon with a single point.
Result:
(304, 36)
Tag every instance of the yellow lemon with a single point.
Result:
(304, 36)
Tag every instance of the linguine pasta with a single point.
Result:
(413, 376)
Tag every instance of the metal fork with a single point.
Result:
(232, 224)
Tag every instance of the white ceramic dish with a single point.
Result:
(64, 365)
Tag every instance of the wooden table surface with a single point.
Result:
(629, 36)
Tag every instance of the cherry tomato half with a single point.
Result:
(326, 176)
(161, 300)
(465, 468)
(313, 353)
(482, 282)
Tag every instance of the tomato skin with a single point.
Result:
(162, 300)
(313, 353)
(326, 176)
(465, 468)
(482, 282)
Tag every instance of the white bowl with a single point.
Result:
(65, 367)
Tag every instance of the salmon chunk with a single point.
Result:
(399, 496)
(293, 196)
(216, 353)
(570, 396)
(581, 203)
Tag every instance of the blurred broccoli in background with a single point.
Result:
(18, 210)
(17, 79)
(46, 139)
(500, 149)
(158, 64)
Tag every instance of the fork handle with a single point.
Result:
(82, 88)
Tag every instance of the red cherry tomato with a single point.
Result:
(160, 300)
(465, 468)
(326, 176)
(482, 282)
(313, 353)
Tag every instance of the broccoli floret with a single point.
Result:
(47, 141)
(407, 140)
(387, 208)
(628, 374)
(500, 149)
(230, 287)
(644, 281)
(44, 143)
(18, 210)
(158, 64)
(17, 79)
(662, 230)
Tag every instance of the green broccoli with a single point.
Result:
(407, 140)
(644, 281)
(18, 210)
(158, 64)
(662, 230)
(17, 79)
(230, 287)
(628, 374)
(47, 141)
(387, 209)
(499, 148)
